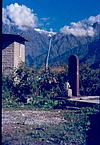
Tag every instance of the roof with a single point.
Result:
(13, 37)
(7, 39)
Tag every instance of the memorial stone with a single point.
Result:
(73, 74)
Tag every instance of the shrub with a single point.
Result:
(26, 82)
(89, 81)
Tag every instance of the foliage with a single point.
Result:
(43, 103)
(89, 81)
(21, 83)
(41, 87)
(5, 90)
(51, 85)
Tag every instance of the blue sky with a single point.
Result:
(57, 13)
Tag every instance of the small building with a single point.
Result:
(13, 52)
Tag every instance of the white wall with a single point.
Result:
(19, 53)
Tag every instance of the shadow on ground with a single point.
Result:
(94, 132)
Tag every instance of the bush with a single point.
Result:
(44, 103)
(26, 83)
(89, 81)
(52, 85)
(45, 87)
(21, 83)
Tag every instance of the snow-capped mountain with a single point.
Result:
(41, 31)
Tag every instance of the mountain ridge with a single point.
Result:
(63, 45)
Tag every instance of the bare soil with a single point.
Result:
(17, 126)
(31, 117)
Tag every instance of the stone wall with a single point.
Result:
(8, 59)
(12, 55)
(19, 53)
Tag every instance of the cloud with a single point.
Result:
(45, 19)
(45, 22)
(4, 15)
(42, 31)
(94, 19)
(19, 15)
(82, 28)
(77, 31)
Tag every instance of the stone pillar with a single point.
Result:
(73, 74)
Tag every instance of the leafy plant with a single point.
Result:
(89, 81)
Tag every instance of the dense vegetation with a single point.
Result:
(36, 85)
(89, 81)
(40, 88)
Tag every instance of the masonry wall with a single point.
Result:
(12, 56)
(19, 53)
(8, 59)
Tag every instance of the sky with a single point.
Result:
(53, 14)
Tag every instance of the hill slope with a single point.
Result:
(63, 45)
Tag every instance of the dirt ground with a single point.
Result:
(31, 117)
(16, 125)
